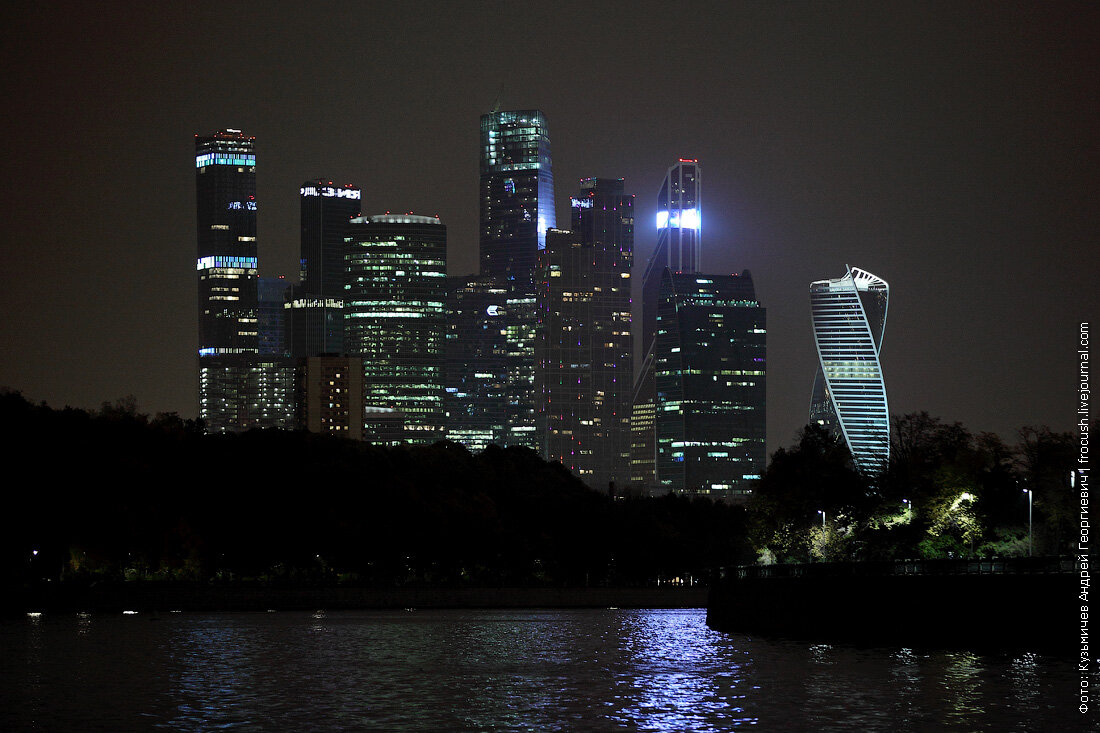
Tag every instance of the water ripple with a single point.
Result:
(609, 670)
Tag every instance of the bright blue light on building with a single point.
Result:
(245, 263)
(201, 161)
(686, 219)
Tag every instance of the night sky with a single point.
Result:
(949, 148)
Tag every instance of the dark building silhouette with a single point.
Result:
(326, 210)
(516, 209)
(225, 188)
(475, 361)
(315, 307)
(394, 316)
(643, 429)
(584, 361)
(271, 302)
(710, 369)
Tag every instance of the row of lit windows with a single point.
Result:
(239, 159)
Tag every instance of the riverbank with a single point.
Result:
(1022, 603)
(151, 596)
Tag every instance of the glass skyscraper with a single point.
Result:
(517, 195)
(584, 360)
(225, 178)
(679, 236)
(849, 393)
(516, 208)
(679, 226)
(225, 188)
(710, 374)
(315, 309)
(394, 316)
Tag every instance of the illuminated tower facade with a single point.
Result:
(394, 316)
(679, 237)
(225, 188)
(516, 209)
(710, 374)
(584, 359)
(849, 393)
(225, 165)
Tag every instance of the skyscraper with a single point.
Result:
(475, 361)
(315, 309)
(643, 429)
(516, 204)
(849, 394)
(225, 187)
(584, 360)
(517, 196)
(326, 210)
(271, 299)
(393, 313)
(679, 238)
(225, 179)
(710, 372)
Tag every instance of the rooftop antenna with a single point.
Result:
(497, 102)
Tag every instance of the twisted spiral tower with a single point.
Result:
(849, 396)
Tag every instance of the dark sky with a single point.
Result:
(950, 148)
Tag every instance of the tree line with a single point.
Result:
(945, 492)
(115, 494)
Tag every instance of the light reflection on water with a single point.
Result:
(548, 670)
(677, 675)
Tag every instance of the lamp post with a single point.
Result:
(908, 505)
(822, 518)
(1028, 492)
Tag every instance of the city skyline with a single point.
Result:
(944, 149)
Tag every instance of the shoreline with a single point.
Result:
(1022, 603)
(151, 597)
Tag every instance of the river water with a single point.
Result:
(483, 670)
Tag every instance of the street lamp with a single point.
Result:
(1028, 492)
(908, 505)
(822, 518)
